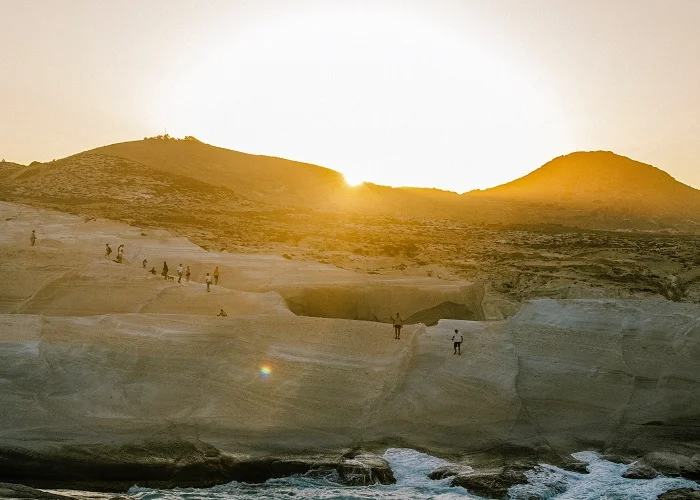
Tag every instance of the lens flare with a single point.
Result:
(265, 371)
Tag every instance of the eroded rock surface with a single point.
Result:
(104, 356)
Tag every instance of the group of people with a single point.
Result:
(186, 272)
(120, 253)
(397, 320)
(457, 338)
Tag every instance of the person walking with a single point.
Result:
(208, 282)
(32, 237)
(108, 251)
(187, 274)
(457, 340)
(398, 323)
(216, 275)
(179, 273)
(164, 272)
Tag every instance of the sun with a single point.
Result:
(386, 95)
(353, 180)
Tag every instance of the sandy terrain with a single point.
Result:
(66, 273)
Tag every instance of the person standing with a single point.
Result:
(398, 323)
(457, 340)
(179, 273)
(187, 274)
(164, 273)
(120, 253)
(145, 262)
(108, 251)
(32, 237)
(216, 275)
(208, 282)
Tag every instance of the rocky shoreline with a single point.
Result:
(183, 464)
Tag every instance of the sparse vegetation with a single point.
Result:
(168, 137)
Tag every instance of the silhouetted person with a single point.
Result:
(457, 340)
(179, 273)
(145, 261)
(398, 323)
(32, 237)
(216, 275)
(164, 273)
(222, 313)
(120, 249)
(187, 274)
(208, 282)
(153, 271)
(108, 251)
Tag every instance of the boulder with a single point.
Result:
(449, 471)
(640, 470)
(574, 466)
(672, 464)
(680, 494)
(364, 469)
(490, 484)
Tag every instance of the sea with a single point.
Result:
(604, 481)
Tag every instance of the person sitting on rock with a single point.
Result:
(398, 323)
(222, 313)
(32, 237)
(207, 280)
(457, 340)
(108, 251)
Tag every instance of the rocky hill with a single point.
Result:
(260, 178)
(596, 190)
(604, 190)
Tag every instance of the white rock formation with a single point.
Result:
(106, 353)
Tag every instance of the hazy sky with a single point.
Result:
(456, 94)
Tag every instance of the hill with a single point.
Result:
(604, 190)
(260, 178)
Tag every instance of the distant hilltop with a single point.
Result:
(597, 189)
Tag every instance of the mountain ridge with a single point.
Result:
(595, 190)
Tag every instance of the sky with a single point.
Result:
(454, 94)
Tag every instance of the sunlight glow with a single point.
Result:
(351, 180)
(393, 98)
